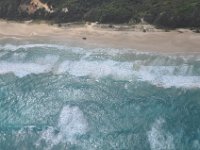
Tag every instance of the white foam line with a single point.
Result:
(109, 51)
(96, 69)
(26, 46)
(162, 76)
(165, 76)
(168, 76)
(21, 69)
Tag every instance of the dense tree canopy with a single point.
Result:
(164, 13)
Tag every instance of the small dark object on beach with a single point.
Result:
(166, 30)
(180, 31)
(144, 30)
(84, 38)
(110, 26)
(59, 25)
(197, 31)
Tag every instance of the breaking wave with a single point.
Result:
(158, 70)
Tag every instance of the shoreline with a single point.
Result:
(103, 36)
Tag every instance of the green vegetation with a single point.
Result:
(173, 13)
(162, 13)
(9, 9)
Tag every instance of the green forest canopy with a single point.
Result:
(164, 13)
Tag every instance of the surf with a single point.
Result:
(61, 97)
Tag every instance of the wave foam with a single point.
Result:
(27, 46)
(179, 75)
(71, 123)
(23, 69)
(168, 76)
(162, 76)
(96, 69)
(158, 138)
(48, 59)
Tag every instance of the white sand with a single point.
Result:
(185, 41)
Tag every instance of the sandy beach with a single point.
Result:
(175, 41)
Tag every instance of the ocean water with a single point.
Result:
(58, 97)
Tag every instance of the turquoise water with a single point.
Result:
(57, 97)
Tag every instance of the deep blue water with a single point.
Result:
(58, 97)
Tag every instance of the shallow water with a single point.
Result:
(58, 97)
